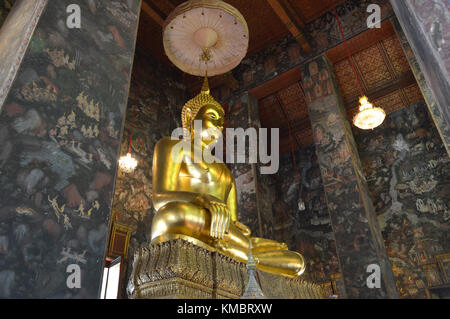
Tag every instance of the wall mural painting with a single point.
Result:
(266, 197)
(60, 132)
(308, 232)
(433, 17)
(254, 193)
(408, 173)
(158, 111)
(323, 32)
(246, 193)
(328, 130)
(285, 54)
(353, 222)
(238, 116)
(438, 115)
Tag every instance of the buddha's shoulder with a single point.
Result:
(226, 171)
(167, 142)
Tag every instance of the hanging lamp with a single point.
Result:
(128, 163)
(368, 116)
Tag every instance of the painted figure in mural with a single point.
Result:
(198, 203)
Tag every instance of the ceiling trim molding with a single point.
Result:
(148, 10)
(276, 84)
(291, 25)
(361, 42)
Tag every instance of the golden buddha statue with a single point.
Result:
(196, 201)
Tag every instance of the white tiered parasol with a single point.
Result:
(205, 35)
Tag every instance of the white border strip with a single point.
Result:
(20, 23)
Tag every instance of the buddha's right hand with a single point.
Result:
(220, 219)
(244, 229)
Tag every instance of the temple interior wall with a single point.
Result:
(60, 132)
(407, 170)
(405, 162)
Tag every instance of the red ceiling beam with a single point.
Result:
(276, 84)
(361, 42)
(152, 13)
(293, 27)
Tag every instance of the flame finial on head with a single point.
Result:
(205, 86)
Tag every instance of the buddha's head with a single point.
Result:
(206, 109)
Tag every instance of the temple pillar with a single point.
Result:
(254, 205)
(61, 122)
(422, 28)
(359, 242)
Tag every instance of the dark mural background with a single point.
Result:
(5, 8)
(159, 92)
(60, 131)
(408, 173)
(309, 231)
(244, 174)
(358, 238)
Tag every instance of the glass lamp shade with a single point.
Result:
(369, 116)
(127, 163)
(301, 205)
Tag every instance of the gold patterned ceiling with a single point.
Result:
(385, 76)
(384, 72)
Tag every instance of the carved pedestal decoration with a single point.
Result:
(178, 269)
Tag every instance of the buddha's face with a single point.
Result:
(212, 118)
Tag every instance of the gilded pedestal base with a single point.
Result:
(179, 269)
